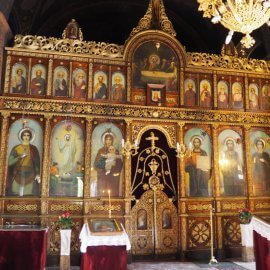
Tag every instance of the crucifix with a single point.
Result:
(152, 138)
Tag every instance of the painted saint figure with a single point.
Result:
(79, 85)
(253, 99)
(60, 84)
(68, 148)
(223, 100)
(100, 88)
(198, 176)
(232, 171)
(18, 82)
(260, 168)
(38, 84)
(24, 167)
(118, 89)
(190, 95)
(108, 179)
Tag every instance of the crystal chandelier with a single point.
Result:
(242, 16)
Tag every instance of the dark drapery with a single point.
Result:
(261, 252)
(105, 258)
(22, 250)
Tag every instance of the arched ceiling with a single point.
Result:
(113, 20)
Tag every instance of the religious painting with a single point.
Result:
(231, 171)
(60, 81)
(198, 163)
(72, 30)
(266, 97)
(141, 219)
(106, 161)
(205, 94)
(155, 63)
(155, 94)
(223, 94)
(118, 86)
(79, 83)
(67, 160)
(38, 80)
(253, 93)
(100, 85)
(237, 95)
(19, 75)
(260, 161)
(105, 227)
(166, 219)
(24, 158)
(190, 95)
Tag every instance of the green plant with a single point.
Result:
(65, 221)
(245, 216)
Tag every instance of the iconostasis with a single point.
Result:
(147, 132)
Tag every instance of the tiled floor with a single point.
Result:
(236, 265)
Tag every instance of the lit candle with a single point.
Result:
(123, 142)
(136, 142)
(177, 146)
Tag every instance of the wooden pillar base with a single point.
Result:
(64, 262)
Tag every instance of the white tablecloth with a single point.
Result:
(109, 240)
(257, 225)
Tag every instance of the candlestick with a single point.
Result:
(110, 209)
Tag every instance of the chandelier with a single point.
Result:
(242, 16)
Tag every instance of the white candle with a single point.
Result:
(110, 210)
(177, 146)
(123, 142)
(136, 142)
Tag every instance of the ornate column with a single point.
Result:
(182, 186)
(247, 159)
(4, 140)
(215, 93)
(87, 166)
(45, 175)
(128, 196)
(215, 174)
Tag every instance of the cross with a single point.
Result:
(152, 138)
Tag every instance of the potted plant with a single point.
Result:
(245, 216)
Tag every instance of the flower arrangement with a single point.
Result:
(65, 221)
(245, 216)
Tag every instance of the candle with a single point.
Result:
(136, 142)
(123, 142)
(177, 146)
(110, 210)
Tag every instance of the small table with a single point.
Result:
(23, 247)
(103, 252)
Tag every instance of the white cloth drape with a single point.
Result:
(256, 224)
(65, 242)
(109, 240)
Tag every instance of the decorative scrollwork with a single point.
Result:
(68, 46)
(200, 233)
(232, 232)
(227, 62)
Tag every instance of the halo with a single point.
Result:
(229, 139)
(261, 140)
(154, 56)
(29, 130)
(107, 132)
(197, 137)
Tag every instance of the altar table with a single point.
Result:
(22, 247)
(103, 252)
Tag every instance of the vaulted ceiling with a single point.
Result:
(112, 21)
